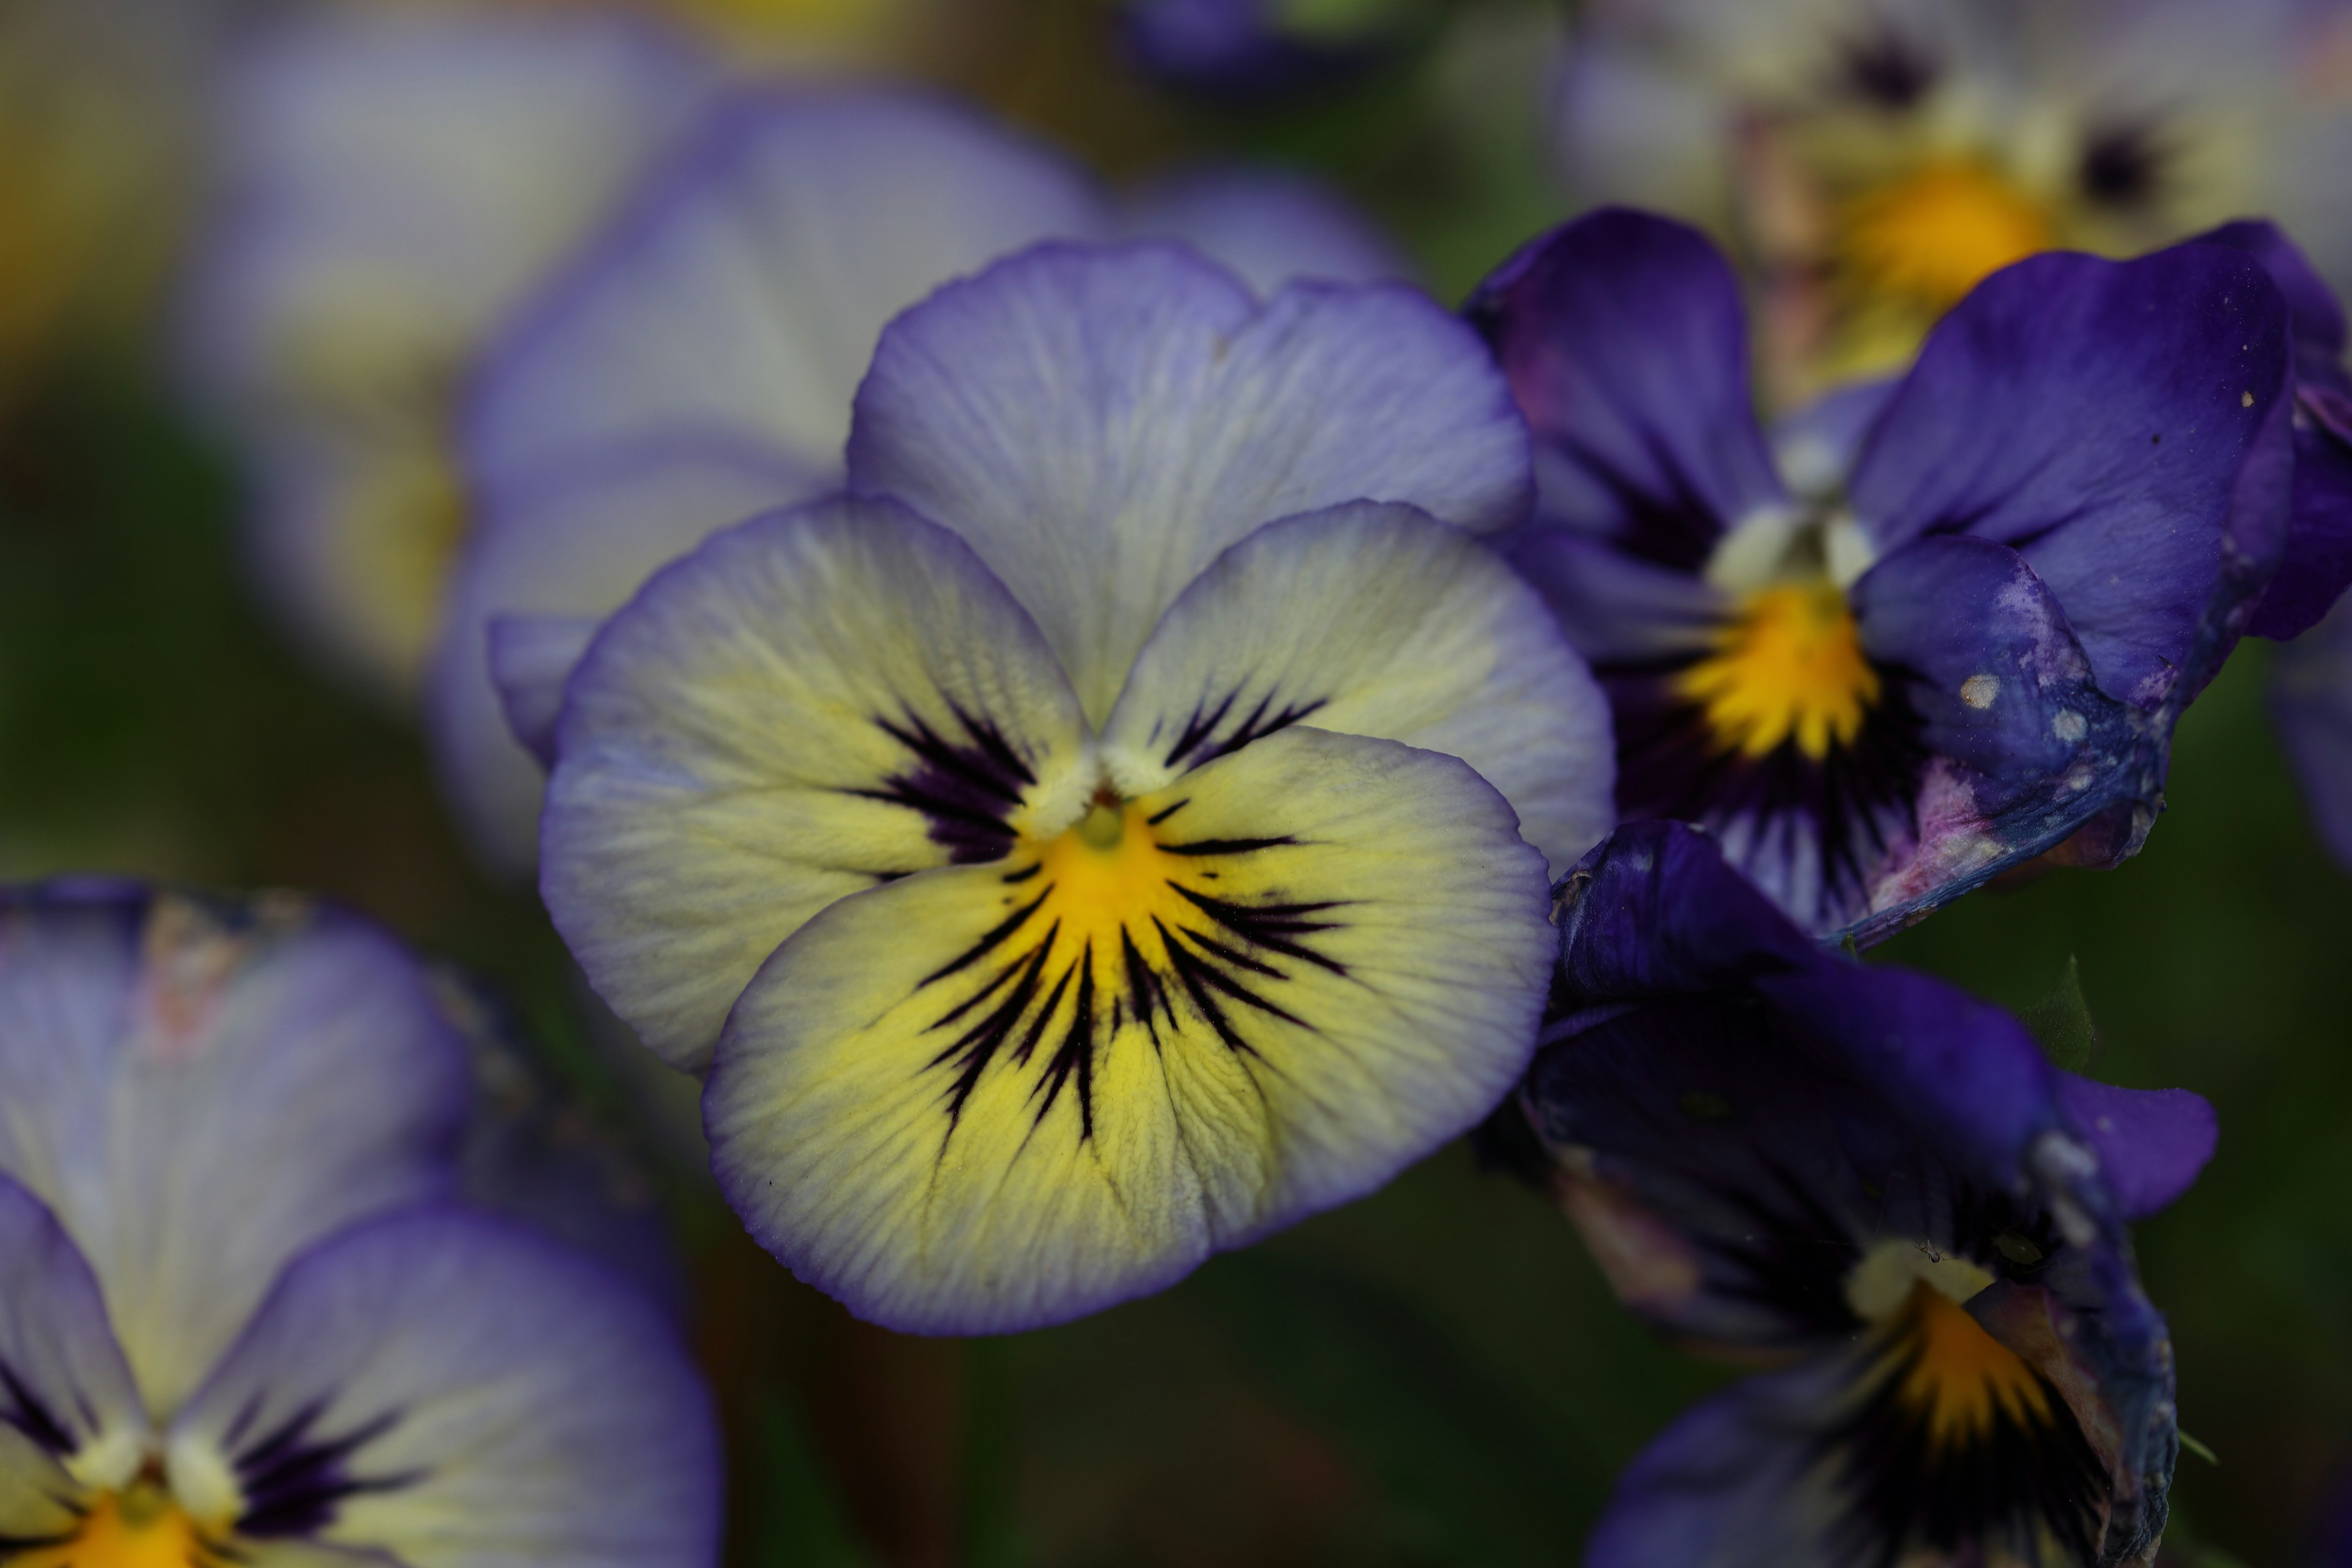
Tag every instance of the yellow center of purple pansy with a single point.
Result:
(1788, 667)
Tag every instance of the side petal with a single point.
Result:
(1656, 909)
(1268, 226)
(1626, 345)
(2096, 416)
(992, 1098)
(809, 704)
(2022, 748)
(200, 1092)
(2151, 1143)
(1373, 620)
(574, 549)
(69, 1414)
(454, 1391)
(1100, 423)
(739, 300)
(530, 659)
(1614, 606)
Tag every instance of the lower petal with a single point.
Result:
(449, 1390)
(991, 1097)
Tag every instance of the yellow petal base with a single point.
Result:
(1789, 668)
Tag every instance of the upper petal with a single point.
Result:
(1100, 423)
(201, 1092)
(738, 301)
(991, 1097)
(1373, 620)
(810, 703)
(1626, 345)
(2096, 416)
(576, 547)
(454, 1391)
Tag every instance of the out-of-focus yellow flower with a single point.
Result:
(94, 111)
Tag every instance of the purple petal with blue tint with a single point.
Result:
(65, 1389)
(2109, 421)
(1626, 344)
(1656, 910)
(2023, 748)
(2318, 563)
(1232, 48)
(2151, 1143)
(1614, 606)
(257, 1075)
(445, 1386)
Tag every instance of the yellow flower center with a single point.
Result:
(1111, 883)
(1789, 667)
(1931, 237)
(1959, 1377)
(138, 1527)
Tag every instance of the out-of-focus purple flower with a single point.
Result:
(696, 365)
(1058, 849)
(1878, 1190)
(1255, 49)
(1877, 158)
(246, 1320)
(1881, 686)
(389, 184)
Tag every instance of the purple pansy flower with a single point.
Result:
(246, 1320)
(1881, 686)
(1877, 1189)
(1059, 850)
(696, 365)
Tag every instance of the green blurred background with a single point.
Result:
(1434, 1375)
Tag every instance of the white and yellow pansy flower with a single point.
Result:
(1067, 852)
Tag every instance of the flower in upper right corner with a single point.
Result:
(1883, 681)
(1877, 1190)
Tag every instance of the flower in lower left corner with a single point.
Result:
(247, 1323)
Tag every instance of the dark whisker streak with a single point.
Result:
(1220, 967)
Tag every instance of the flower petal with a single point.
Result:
(574, 550)
(987, 1098)
(809, 704)
(1626, 346)
(2023, 749)
(2151, 1143)
(69, 1414)
(1373, 620)
(201, 1092)
(1099, 424)
(454, 1390)
(2096, 417)
(739, 300)
(1269, 226)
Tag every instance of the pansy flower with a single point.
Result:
(1058, 849)
(1881, 686)
(389, 185)
(695, 364)
(1878, 158)
(1878, 1191)
(247, 1322)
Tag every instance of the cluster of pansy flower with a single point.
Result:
(1064, 711)
(258, 1309)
